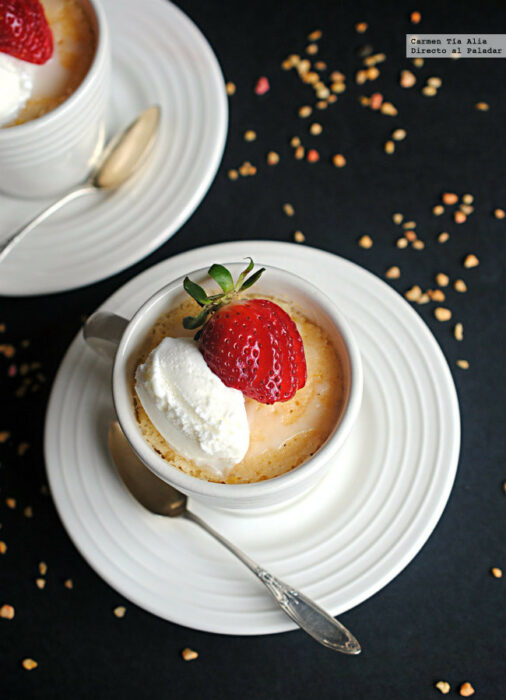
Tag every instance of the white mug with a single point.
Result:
(49, 155)
(119, 339)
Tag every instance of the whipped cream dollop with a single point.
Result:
(16, 85)
(201, 418)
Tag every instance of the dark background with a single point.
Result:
(443, 617)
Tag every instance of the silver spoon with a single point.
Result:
(162, 499)
(121, 158)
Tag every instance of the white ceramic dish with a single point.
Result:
(275, 282)
(47, 156)
(158, 56)
(340, 543)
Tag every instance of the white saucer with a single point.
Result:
(159, 57)
(340, 543)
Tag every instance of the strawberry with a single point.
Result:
(24, 31)
(251, 344)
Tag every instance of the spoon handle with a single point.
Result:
(306, 613)
(17, 236)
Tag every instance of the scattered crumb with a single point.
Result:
(40, 583)
(288, 209)
(339, 160)
(189, 654)
(459, 217)
(458, 331)
(434, 82)
(467, 198)
(496, 573)
(272, 158)
(442, 314)
(312, 156)
(449, 198)
(389, 147)
(438, 210)
(365, 242)
(361, 27)
(471, 261)
(443, 237)
(22, 448)
(418, 245)
(315, 35)
(429, 91)
(415, 17)
(262, 86)
(482, 106)
(407, 79)
(29, 664)
(28, 512)
(4, 436)
(230, 88)
(399, 135)
(463, 364)
(414, 293)
(305, 111)
(295, 141)
(397, 218)
(119, 611)
(299, 237)
(42, 568)
(436, 295)
(402, 243)
(250, 135)
(499, 213)
(393, 273)
(299, 152)
(10, 503)
(443, 687)
(389, 109)
(3, 547)
(466, 689)
(442, 280)
(233, 174)
(68, 583)
(460, 286)
(316, 129)
(7, 612)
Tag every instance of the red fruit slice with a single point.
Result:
(24, 31)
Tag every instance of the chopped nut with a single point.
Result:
(443, 687)
(467, 198)
(272, 158)
(29, 664)
(482, 106)
(407, 79)
(299, 152)
(305, 111)
(68, 583)
(312, 49)
(442, 314)
(312, 156)
(496, 573)
(460, 286)
(414, 293)
(450, 198)
(372, 73)
(295, 141)
(429, 91)
(416, 17)
(389, 109)
(7, 612)
(315, 35)
(189, 654)
(399, 135)
(466, 689)
(463, 364)
(315, 129)
(459, 217)
(42, 568)
(361, 27)
(458, 331)
(3, 547)
(10, 503)
(442, 279)
(418, 245)
(434, 82)
(389, 147)
(397, 218)
(288, 209)
(436, 295)
(250, 135)
(499, 213)
(40, 583)
(471, 260)
(339, 160)
(443, 237)
(119, 611)
(299, 237)
(365, 242)
(402, 243)
(233, 174)
(230, 88)
(424, 299)
(393, 273)
(262, 86)
(438, 210)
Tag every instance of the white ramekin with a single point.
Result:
(119, 338)
(51, 154)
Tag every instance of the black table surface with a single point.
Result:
(443, 617)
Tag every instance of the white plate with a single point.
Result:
(340, 543)
(159, 56)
